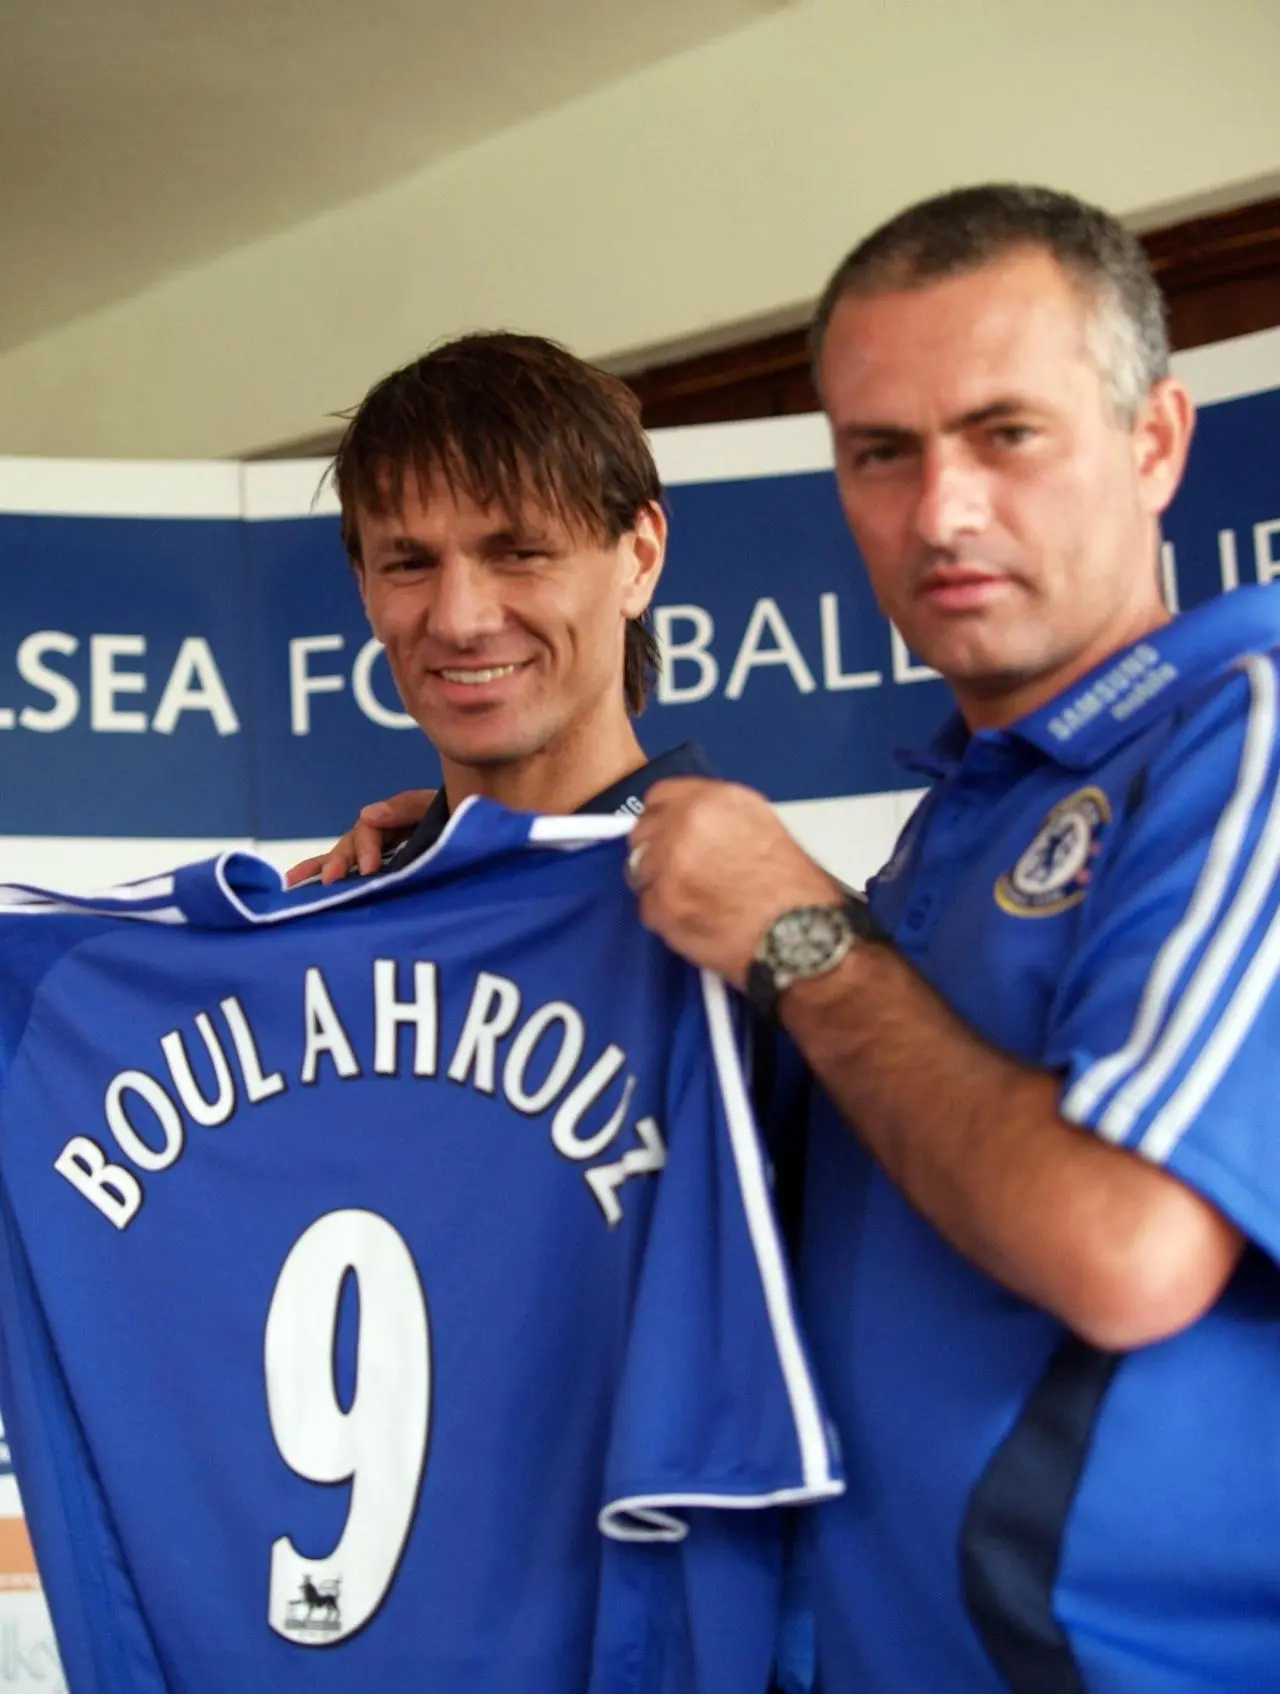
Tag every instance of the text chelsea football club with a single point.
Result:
(567, 1089)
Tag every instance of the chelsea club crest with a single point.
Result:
(1054, 872)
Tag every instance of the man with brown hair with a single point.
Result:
(503, 515)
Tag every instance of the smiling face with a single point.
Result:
(1007, 518)
(505, 636)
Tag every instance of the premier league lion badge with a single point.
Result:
(1054, 872)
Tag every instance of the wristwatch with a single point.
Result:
(805, 942)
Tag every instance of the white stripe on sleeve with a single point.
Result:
(1177, 1115)
(749, 1158)
(1215, 877)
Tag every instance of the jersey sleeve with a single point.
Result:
(1166, 1024)
(718, 1406)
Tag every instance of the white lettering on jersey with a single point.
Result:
(257, 1086)
(324, 1030)
(573, 1038)
(540, 1070)
(199, 1108)
(494, 1008)
(167, 1115)
(115, 1191)
(645, 1160)
(422, 1012)
(564, 1128)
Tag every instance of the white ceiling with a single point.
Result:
(139, 137)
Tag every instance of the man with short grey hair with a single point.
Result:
(1040, 1250)
(957, 232)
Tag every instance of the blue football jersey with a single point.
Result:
(366, 1253)
(1094, 890)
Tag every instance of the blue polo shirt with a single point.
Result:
(1095, 890)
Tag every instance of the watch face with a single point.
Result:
(804, 940)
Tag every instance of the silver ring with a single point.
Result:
(633, 865)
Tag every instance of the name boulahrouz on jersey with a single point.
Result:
(586, 1093)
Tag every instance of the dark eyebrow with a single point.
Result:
(994, 412)
(874, 432)
(519, 537)
(403, 546)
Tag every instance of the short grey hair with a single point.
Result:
(959, 232)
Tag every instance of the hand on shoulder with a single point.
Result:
(382, 825)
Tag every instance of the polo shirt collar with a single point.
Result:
(626, 795)
(1087, 722)
(1142, 682)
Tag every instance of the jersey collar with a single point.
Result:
(1087, 722)
(626, 795)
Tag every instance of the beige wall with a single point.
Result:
(715, 188)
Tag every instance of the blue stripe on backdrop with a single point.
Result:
(124, 676)
(325, 703)
(203, 677)
(1224, 527)
(778, 660)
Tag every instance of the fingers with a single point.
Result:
(303, 870)
(362, 847)
(332, 866)
(712, 866)
(401, 812)
(380, 826)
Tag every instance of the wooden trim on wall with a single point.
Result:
(1220, 275)
(758, 379)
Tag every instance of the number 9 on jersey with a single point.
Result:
(379, 1444)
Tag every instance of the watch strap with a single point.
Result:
(762, 991)
(862, 921)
